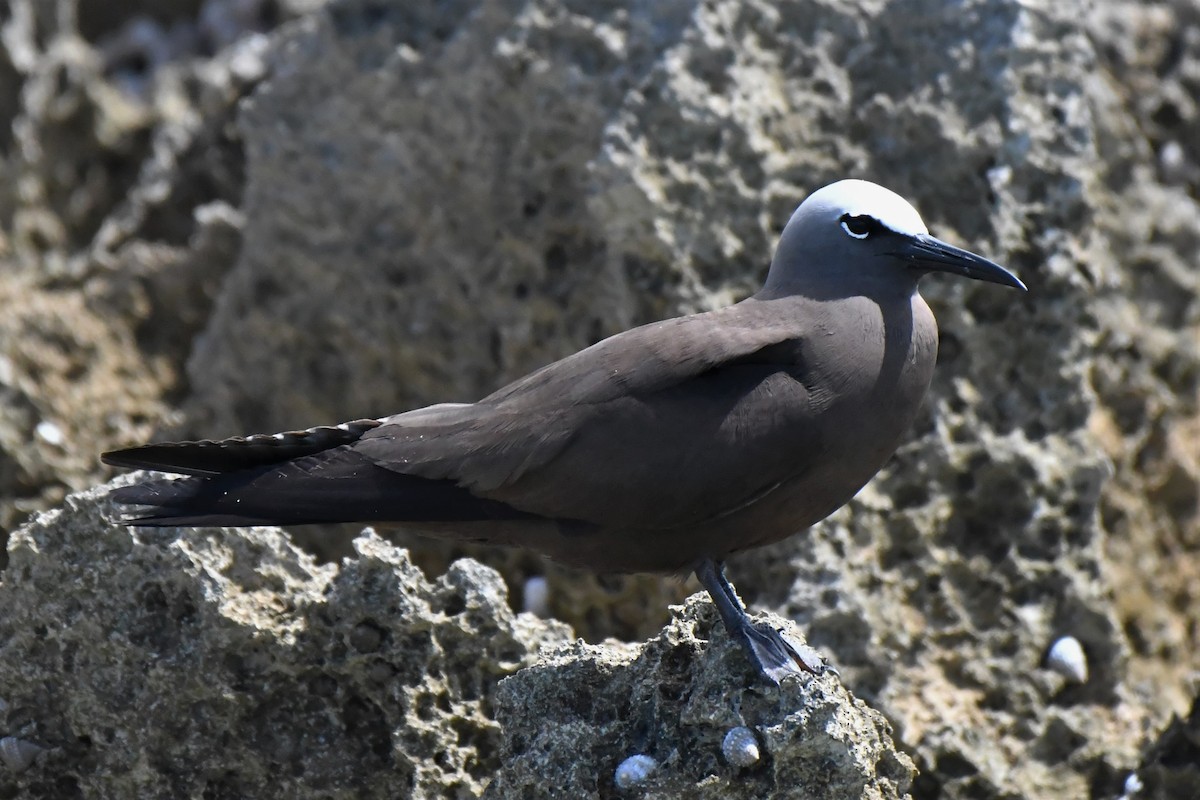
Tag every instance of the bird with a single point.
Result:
(666, 448)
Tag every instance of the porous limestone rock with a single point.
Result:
(227, 663)
(573, 718)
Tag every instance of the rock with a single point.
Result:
(119, 178)
(226, 660)
(1146, 370)
(229, 663)
(570, 720)
(1171, 766)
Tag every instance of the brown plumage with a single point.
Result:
(664, 448)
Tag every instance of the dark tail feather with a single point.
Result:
(215, 457)
(332, 486)
(163, 495)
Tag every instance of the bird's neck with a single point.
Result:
(884, 292)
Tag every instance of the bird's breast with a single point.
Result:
(868, 375)
(865, 354)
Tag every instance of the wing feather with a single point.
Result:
(667, 424)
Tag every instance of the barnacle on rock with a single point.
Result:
(634, 771)
(740, 747)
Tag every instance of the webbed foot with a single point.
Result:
(776, 654)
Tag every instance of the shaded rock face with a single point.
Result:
(230, 216)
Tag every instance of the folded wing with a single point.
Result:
(664, 425)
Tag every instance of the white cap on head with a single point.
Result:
(862, 198)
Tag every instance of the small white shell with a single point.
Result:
(1172, 160)
(49, 433)
(740, 747)
(537, 596)
(1133, 785)
(634, 771)
(1066, 657)
(17, 754)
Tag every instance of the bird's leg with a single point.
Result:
(776, 655)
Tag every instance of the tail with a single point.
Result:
(295, 478)
(179, 503)
(215, 457)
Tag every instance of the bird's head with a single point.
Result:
(856, 237)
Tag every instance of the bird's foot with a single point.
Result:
(776, 654)
(779, 655)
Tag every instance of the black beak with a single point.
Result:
(924, 252)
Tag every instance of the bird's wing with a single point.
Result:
(209, 457)
(665, 425)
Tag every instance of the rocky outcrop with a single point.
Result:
(227, 663)
(230, 664)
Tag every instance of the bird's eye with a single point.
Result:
(860, 227)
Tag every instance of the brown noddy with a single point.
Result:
(665, 448)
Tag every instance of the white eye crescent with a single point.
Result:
(859, 227)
